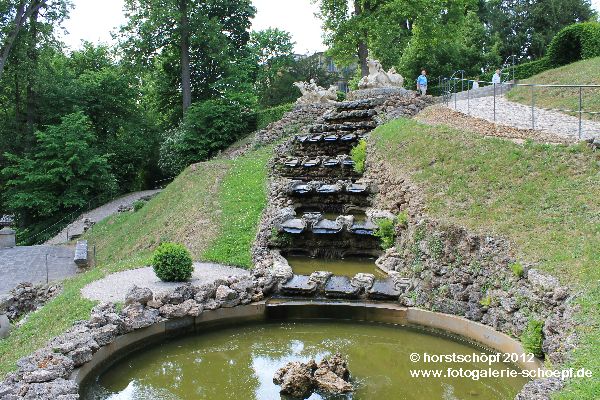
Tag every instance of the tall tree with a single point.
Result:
(207, 35)
(526, 27)
(16, 15)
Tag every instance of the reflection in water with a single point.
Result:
(239, 363)
(345, 267)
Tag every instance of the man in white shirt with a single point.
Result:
(496, 79)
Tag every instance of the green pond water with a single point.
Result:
(239, 363)
(351, 266)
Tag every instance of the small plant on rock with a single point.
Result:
(517, 269)
(402, 219)
(386, 232)
(172, 263)
(359, 156)
(532, 337)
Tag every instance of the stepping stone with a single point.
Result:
(384, 289)
(294, 226)
(340, 287)
(332, 162)
(327, 227)
(356, 188)
(299, 285)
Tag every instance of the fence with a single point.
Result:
(577, 106)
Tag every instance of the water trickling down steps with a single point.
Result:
(328, 202)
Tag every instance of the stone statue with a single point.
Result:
(378, 78)
(311, 93)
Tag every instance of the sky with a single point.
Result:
(94, 20)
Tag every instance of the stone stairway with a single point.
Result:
(327, 213)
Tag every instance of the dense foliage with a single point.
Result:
(442, 35)
(172, 262)
(575, 42)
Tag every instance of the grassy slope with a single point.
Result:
(543, 198)
(582, 72)
(214, 209)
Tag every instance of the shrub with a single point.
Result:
(386, 232)
(532, 338)
(172, 263)
(270, 115)
(359, 156)
(517, 269)
(575, 42)
(208, 127)
(486, 301)
(402, 219)
(138, 205)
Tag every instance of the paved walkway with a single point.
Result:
(28, 264)
(519, 116)
(98, 214)
(114, 287)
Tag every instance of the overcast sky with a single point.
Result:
(94, 20)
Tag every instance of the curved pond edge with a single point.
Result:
(290, 310)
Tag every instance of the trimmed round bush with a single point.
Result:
(172, 262)
(575, 42)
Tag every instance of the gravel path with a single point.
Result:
(519, 116)
(98, 214)
(114, 288)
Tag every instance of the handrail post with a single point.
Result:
(494, 102)
(580, 110)
(462, 81)
(468, 97)
(455, 100)
(532, 107)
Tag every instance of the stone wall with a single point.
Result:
(26, 298)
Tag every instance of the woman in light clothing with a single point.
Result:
(496, 79)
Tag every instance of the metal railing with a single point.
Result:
(450, 85)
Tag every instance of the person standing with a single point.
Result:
(496, 79)
(422, 83)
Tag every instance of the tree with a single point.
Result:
(525, 28)
(62, 173)
(15, 15)
(272, 53)
(207, 37)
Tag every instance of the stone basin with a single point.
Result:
(332, 162)
(331, 138)
(315, 138)
(328, 189)
(349, 138)
(302, 188)
(363, 228)
(311, 163)
(356, 188)
(327, 227)
(301, 138)
(294, 226)
(292, 163)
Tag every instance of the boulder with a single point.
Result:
(296, 379)
(138, 295)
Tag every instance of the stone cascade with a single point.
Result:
(327, 198)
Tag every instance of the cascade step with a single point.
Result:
(346, 127)
(350, 116)
(341, 167)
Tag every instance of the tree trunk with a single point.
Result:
(22, 14)
(32, 55)
(186, 75)
(363, 51)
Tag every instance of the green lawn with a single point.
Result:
(213, 207)
(586, 72)
(544, 198)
